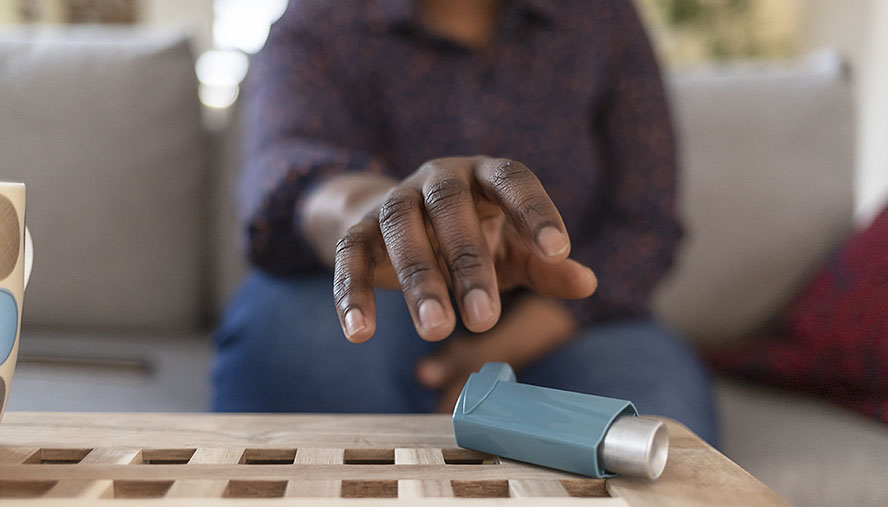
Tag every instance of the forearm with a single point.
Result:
(337, 204)
(305, 122)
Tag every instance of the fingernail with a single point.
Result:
(431, 373)
(354, 321)
(552, 241)
(431, 314)
(478, 305)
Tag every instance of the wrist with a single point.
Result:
(337, 204)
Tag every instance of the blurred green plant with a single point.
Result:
(720, 29)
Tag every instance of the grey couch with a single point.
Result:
(130, 203)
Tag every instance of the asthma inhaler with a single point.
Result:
(581, 433)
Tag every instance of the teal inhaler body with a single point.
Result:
(581, 433)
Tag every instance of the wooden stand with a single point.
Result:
(51, 459)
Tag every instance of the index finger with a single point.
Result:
(527, 204)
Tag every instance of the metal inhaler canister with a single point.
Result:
(581, 433)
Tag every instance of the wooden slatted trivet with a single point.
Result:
(57, 459)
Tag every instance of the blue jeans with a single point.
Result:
(279, 348)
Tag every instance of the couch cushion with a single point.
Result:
(766, 191)
(104, 127)
(229, 257)
(833, 339)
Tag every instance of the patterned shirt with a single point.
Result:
(571, 88)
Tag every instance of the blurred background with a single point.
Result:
(687, 32)
(121, 116)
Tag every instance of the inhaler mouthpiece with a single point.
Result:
(635, 446)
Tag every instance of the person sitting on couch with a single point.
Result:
(364, 125)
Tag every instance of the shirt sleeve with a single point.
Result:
(630, 245)
(303, 122)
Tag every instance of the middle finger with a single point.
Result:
(451, 210)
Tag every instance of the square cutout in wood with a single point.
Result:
(57, 457)
(468, 457)
(586, 488)
(268, 457)
(167, 456)
(369, 457)
(25, 489)
(255, 489)
(369, 489)
(141, 489)
(481, 489)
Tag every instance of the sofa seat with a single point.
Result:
(810, 451)
(91, 372)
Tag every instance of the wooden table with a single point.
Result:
(198, 459)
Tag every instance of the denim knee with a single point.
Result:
(280, 348)
(640, 361)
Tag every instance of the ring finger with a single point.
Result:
(451, 209)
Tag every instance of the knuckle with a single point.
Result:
(347, 283)
(354, 239)
(507, 173)
(344, 283)
(429, 166)
(445, 192)
(437, 164)
(397, 206)
(533, 207)
(352, 264)
(411, 275)
(342, 286)
(357, 244)
(466, 261)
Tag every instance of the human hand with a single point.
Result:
(534, 327)
(476, 224)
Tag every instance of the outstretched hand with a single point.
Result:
(473, 225)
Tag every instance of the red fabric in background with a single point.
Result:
(833, 338)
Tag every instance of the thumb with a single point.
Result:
(567, 279)
(449, 362)
(433, 372)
